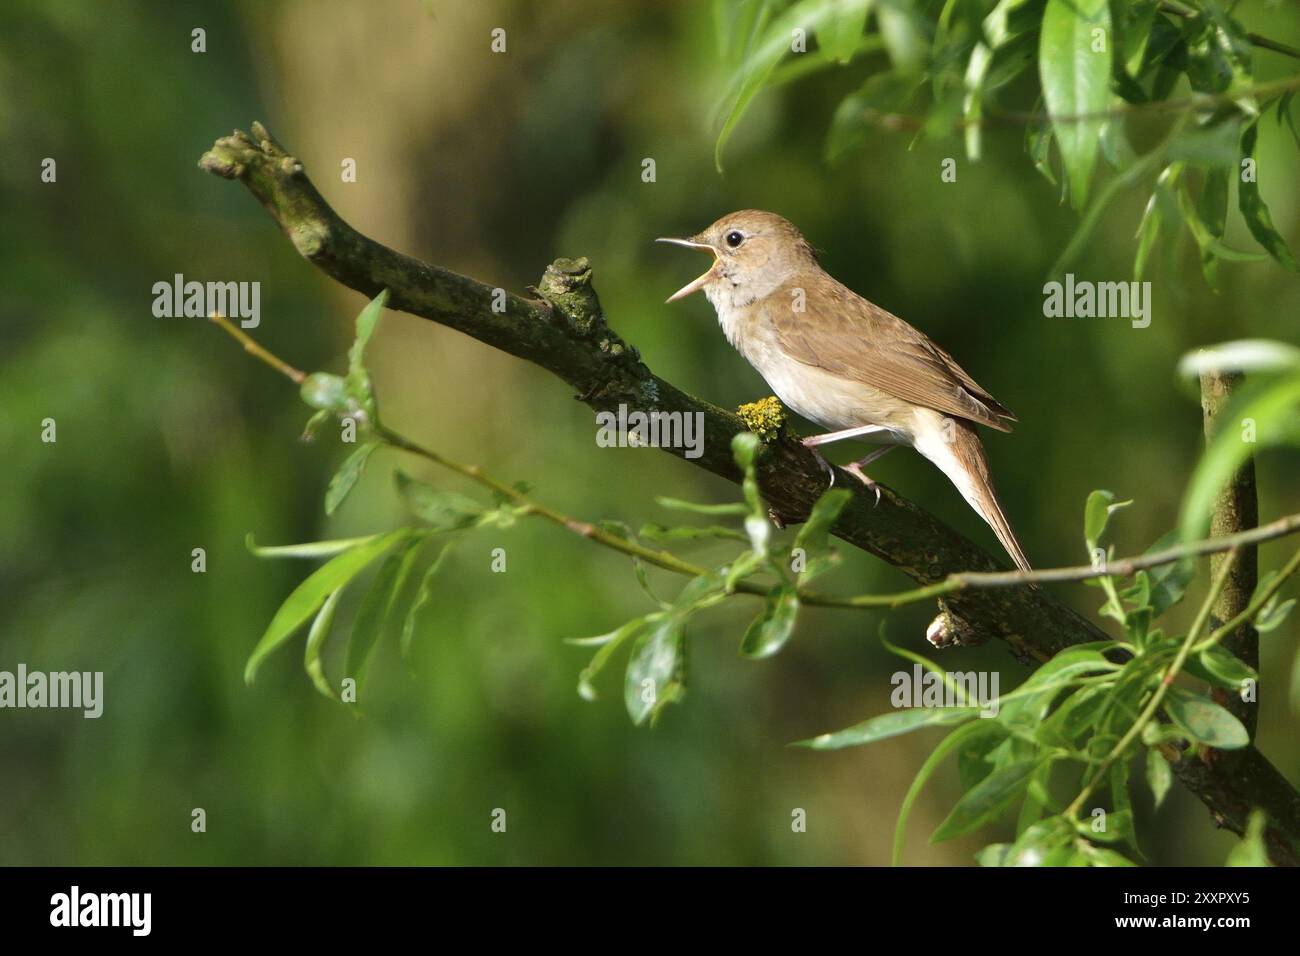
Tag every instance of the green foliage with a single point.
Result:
(1250, 851)
(1261, 415)
(308, 597)
(1077, 720)
(1071, 70)
(1074, 63)
(1080, 716)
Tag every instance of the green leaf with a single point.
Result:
(1162, 203)
(807, 15)
(1274, 612)
(1120, 819)
(308, 596)
(1224, 669)
(986, 801)
(814, 535)
(609, 644)
(1270, 406)
(656, 670)
(676, 504)
(1251, 851)
(993, 855)
(1159, 776)
(375, 610)
(1076, 82)
(815, 532)
(314, 425)
(856, 118)
(1025, 708)
(1241, 355)
(1103, 856)
(1077, 713)
(1169, 582)
(359, 389)
(890, 725)
(840, 34)
(904, 33)
(974, 757)
(367, 322)
(769, 631)
(996, 32)
(1136, 32)
(1038, 143)
(346, 477)
(1253, 209)
(1100, 506)
(954, 741)
(320, 629)
(1036, 845)
(311, 549)
(657, 532)
(443, 510)
(703, 590)
(1205, 721)
(1207, 233)
(423, 597)
(1212, 211)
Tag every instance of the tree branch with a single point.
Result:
(565, 332)
(1235, 510)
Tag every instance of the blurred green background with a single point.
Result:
(169, 438)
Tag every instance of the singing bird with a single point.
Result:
(845, 363)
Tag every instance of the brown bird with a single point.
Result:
(844, 363)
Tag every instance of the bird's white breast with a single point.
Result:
(831, 401)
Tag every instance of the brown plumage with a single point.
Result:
(913, 368)
(844, 362)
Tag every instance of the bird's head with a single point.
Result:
(754, 253)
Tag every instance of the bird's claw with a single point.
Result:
(821, 460)
(856, 471)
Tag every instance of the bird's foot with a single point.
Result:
(811, 445)
(855, 469)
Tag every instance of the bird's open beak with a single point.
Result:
(699, 283)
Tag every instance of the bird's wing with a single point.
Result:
(854, 339)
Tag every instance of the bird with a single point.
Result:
(845, 363)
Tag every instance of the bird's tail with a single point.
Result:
(957, 450)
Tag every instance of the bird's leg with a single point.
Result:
(855, 469)
(811, 444)
(862, 431)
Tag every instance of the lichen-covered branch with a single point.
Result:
(564, 330)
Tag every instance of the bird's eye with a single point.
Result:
(734, 238)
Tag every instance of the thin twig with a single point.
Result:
(1263, 42)
(257, 351)
(1123, 568)
(1260, 599)
(1198, 101)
